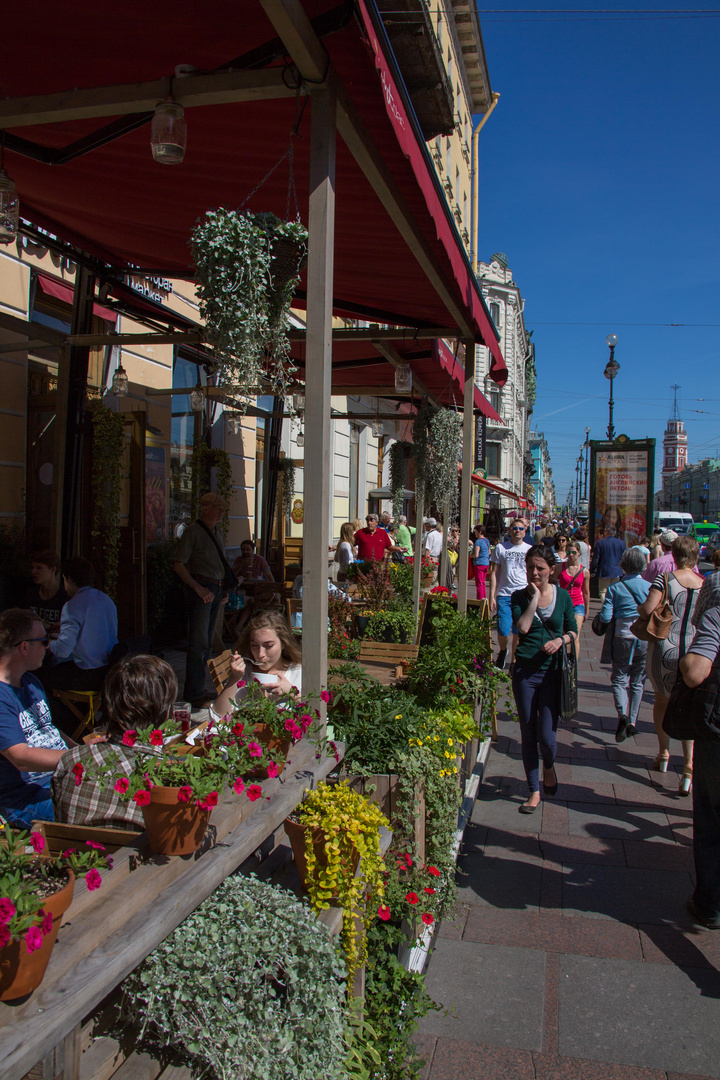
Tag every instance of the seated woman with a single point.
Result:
(139, 692)
(266, 647)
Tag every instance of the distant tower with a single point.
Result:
(674, 443)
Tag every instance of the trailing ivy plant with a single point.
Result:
(287, 474)
(107, 455)
(399, 454)
(202, 461)
(245, 293)
(437, 440)
(239, 986)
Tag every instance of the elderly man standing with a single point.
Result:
(372, 542)
(665, 563)
(201, 566)
(404, 535)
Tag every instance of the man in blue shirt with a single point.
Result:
(606, 562)
(30, 745)
(78, 659)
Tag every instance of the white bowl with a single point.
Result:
(265, 680)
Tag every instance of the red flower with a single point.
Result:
(272, 770)
(38, 842)
(433, 870)
(122, 785)
(254, 749)
(241, 684)
(384, 912)
(211, 800)
(326, 696)
(254, 792)
(7, 910)
(33, 939)
(92, 844)
(408, 860)
(47, 921)
(93, 879)
(156, 738)
(238, 729)
(427, 919)
(79, 771)
(429, 891)
(239, 786)
(4, 936)
(67, 853)
(142, 798)
(412, 898)
(129, 738)
(185, 794)
(334, 751)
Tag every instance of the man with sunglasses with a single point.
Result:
(30, 744)
(507, 574)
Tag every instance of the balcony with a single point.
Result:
(465, 151)
(438, 159)
(448, 185)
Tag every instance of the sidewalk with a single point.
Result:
(572, 955)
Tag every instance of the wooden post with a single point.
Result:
(318, 448)
(466, 482)
(419, 512)
(442, 568)
(76, 389)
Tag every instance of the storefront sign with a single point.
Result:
(621, 490)
(155, 288)
(480, 438)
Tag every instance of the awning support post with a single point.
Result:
(74, 387)
(318, 448)
(419, 512)
(467, 471)
(444, 559)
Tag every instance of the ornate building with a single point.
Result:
(674, 443)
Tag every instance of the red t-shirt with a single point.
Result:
(372, 545)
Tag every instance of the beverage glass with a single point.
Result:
(182, 713)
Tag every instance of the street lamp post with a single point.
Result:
(587, 459)
(611, 369)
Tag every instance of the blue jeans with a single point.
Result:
(628, 675)
(28, 804)
(706, 826)
(537, 696)
(202, 620)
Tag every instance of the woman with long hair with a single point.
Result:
(560, 548)
(575, 579)
(481, 560)
(545, 622)
(681, 588)
(266, 647)
(345, 550)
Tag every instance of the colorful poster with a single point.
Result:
(622, 490)
(155, 494)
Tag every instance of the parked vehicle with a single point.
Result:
(706, 533)
(672, 519)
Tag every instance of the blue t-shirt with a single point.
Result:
(25, 717)
(481, 552)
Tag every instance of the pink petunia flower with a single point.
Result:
(254, 749)
(411, 897)
(254, 792)
(67, 853)
(122, 785)
(4, 936)
(241, 684)
(156, 738)
(384, 912)
(272, 770)
(33, 939)
(79, 772)
(238, 729)
(239, 786)
(184, 794)
(38, 842)
(211, 800)
(326, 696)
(7, 910)
(427, 919)
(334, 751)
(129, 738)
(93, 844)
(142, 798)
(93, 879)
(47, 922)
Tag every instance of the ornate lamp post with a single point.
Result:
(587, 459)
(611, 369)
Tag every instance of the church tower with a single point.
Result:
(674, 443)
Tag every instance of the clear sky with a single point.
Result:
(600, 180)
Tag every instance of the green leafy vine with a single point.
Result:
(204, 458)
(399, 454)
(107, 453)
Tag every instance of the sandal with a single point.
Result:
(661, 762)
(685, 782)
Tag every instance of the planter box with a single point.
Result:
(385, 795)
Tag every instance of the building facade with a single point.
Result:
(695, 490)
(541, 481)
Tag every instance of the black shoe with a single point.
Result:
(709, 924)
(630, 730)
(501, 657)
(621, 734)
(525, 809)
(551, 789)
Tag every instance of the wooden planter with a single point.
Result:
(296, 835)
(173, 828)
(278, 747)
(20, 971)
(383, 790)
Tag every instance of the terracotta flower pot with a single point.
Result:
(173, 828)
(20, 971)
(276, 746)
(296, 836)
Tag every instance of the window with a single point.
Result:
(492, 459)
(439, 30)
(448, 158)
(495, 314)
(465, 217)
(450, 66)
(493, 397)
(457, 183)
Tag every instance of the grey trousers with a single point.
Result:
(628, 675)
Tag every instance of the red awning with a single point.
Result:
(495, 487)
(455, 369)
(63, 290)
(117, 203)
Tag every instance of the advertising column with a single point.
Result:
(622, 477)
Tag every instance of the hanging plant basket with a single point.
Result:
(248, 267)
(400, 454)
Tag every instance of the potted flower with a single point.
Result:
(262, 723)
(330, 832)
(427, 569)
(35, 892)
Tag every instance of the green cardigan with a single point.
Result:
(529, 652)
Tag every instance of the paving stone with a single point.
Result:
(626, 893)
(553, 933)
(457, 1060)
(633, 1014)
(651, 856)
(526, 846)
(682, 946)
(621, 822)
(575, 850)
(607, 772)
(425, 1049)
(500, 881)
(554, 818)
(599, 793)
(502, 813)
(454, 928)
(496, 994)
(550, 1067)
(650, 795)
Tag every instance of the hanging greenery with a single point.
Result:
(399, 454)
(421, 450)
(437, 440)
(287, 475)
(248, 267)
(107, 454)
(202, 461)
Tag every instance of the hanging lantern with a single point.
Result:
(233, 425)
(197, 399)
(378, 429)
(300, 440)
(120, 385)
(299, 402)
(9, 209)
(168, 133)
(403, 379)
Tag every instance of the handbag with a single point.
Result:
(693, 712)
(567, 663)
(598, 627)
(656, 627)
(230, 581)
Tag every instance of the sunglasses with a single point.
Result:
(44, 640)
(518, 528)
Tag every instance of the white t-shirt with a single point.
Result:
(510, 561)
(434, 543)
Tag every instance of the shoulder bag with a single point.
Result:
(656, 627)
(693, 712)
(566, 665)
(231, 580)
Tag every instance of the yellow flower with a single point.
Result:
(448, 755)
(399, 716)
(450, 742)
(442, 772)
(411, 742)
(454, 768)
(436, 738)
(419, 742)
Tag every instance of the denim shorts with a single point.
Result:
(579, 609)
(504, 616)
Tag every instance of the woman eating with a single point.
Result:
(543, 615)
(267, 647)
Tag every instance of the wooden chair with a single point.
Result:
(219, 669)
(84, 705)
(293, 606)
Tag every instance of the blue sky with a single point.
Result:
(599, 178)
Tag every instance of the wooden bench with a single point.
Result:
(77, 700)
(392, 653)
(60, 837)
(219, 669)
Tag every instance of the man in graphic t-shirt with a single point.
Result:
(507, 573)
(30, 744)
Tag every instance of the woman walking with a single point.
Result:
(544, 618)
(680, 588)
(481, 560)
(560, 547)
(575, 579)
(628, 653)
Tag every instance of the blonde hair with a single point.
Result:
(271, 620)
(347, 536)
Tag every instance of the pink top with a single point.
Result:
(576, 588)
